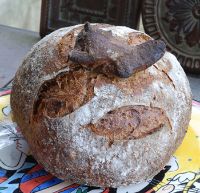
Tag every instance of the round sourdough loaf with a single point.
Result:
(100, 127)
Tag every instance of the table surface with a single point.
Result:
(15, 43)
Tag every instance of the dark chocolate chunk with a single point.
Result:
(97, 50)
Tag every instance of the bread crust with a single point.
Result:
(65, 144)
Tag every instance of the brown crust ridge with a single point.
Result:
(130, 122)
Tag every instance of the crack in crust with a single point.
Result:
(65, 93)
(165, 72)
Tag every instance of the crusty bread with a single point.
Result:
(95, 129)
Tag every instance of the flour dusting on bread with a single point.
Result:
(70, 145)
